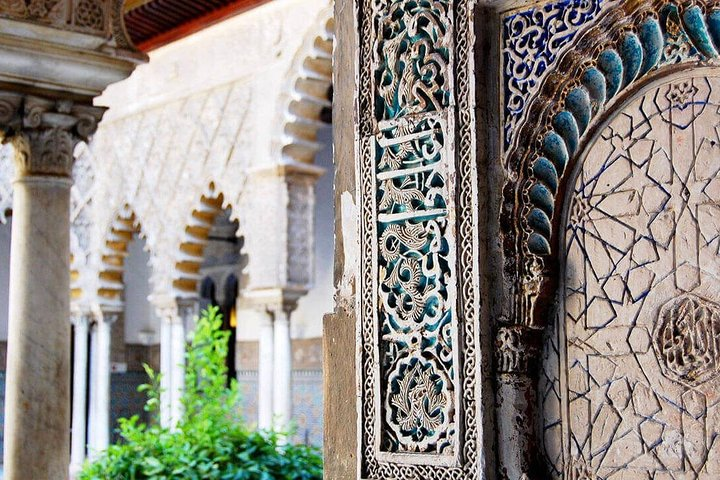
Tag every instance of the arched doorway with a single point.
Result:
(633, 357)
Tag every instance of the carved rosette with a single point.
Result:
(44, 132)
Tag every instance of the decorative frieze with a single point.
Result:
(88, 16)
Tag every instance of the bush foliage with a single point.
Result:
(211, 441)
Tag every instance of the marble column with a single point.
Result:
(174, 314)
(101, 392)
(92, 390)
(43, 134)
(265, 371)
(81, 321)
(165, 370)
(282, 366)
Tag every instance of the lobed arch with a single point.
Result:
(195, 238)
(113, 254)
(628, 48)
(306, 104)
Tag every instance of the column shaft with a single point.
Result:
(177, 369)
(79, 394)
(37, 399)
(282, 399)
(165, 370)
(93, 393)
(265, 372)
(104, 334)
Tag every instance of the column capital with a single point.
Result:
(273, 300)
(517, 348)
(172, 309)
(44, 132)
(107, 314)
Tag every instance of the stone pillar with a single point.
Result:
(92, 390)
(282, 369)
(44, 134)
(265, 371)
(81, 321)
(165, 370)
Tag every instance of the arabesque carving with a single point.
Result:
(627, 44)
(89, 16)
(418, 408)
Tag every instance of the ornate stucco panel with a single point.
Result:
(589, 59)
(417, 365)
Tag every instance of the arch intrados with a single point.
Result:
(191, 249)
(307, 101)
(115, 250)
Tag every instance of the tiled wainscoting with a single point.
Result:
(307, 403)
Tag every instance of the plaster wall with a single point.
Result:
(204, 110)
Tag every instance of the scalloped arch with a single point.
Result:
(191, 250)
(626, 46)
(307, 102)
(114, 251)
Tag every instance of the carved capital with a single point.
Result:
(44, 132)
(516, 349)
(106, 314)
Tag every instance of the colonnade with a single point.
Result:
(92, 337)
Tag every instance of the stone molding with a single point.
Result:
(44, 132)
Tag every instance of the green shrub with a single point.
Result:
(211, 440)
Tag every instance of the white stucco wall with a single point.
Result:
(207, 108)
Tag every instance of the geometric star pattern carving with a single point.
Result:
(631, 368)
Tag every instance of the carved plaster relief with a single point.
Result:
(633, 385)
(417, 357)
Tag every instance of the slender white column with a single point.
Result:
(282, 399)
(265, 371)
(79, 396)
(174, 313)
(177, 333)
(92, 442)
(105, 320)
(165, 370)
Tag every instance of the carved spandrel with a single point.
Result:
(641, 325)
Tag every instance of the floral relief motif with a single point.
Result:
(532, 41)
(414, 273)
(418, 417)
(83, 15)
(421, 403)
(412, 56)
